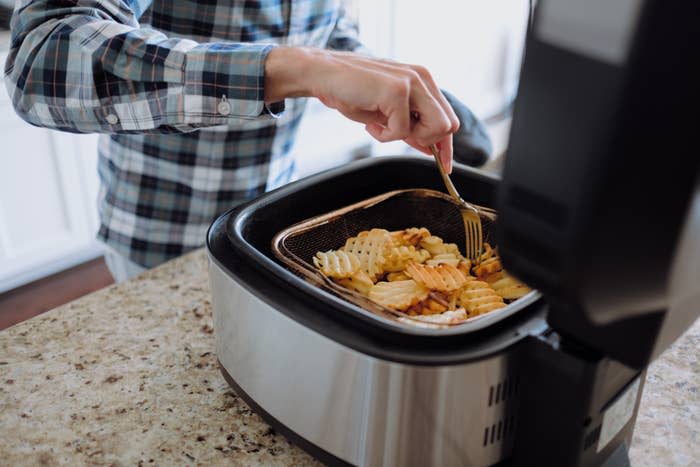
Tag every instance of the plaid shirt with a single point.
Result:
(187, 131)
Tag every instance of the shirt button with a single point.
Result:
(112, 119)
(224, 108)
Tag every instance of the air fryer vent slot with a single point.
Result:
(500, 431)
(503, 391)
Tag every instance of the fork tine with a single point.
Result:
(469, 235)
(477, 242)
(479, 239)
(469, 244)
(473, 250)
(475, 245)
(472, 244)
(470, 213)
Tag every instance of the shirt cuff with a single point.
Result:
(225, 81)
(275, 109)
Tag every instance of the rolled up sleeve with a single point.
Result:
(87, 66)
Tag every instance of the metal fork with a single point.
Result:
(470, 214)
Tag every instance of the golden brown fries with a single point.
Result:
(419, 275)
(397, 276)
(398, 295)
(399, 256)
(507, 286)
(337, 264)
(443, 277)
(478, 298)
(445, 258)
(436, 246)
(371, 248)
(359, 282)
(489, 266)
(410, 237)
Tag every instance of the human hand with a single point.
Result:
(381, 94)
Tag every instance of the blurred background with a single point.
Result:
(49, 184)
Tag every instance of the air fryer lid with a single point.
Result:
(596, 202)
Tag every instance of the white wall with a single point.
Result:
(473, 48)
(48, 192)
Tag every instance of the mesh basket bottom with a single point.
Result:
(396, 210)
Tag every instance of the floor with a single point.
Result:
(32, 299)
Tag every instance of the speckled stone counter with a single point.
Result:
(128, 376)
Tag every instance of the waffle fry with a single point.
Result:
(419, 275)
(359, 282)
(337, 264)
(488, 252)
(453, 299)
(399, 256)
(507, 286)
(370, 247)
(397, 276)
(444, 258)
(436, 246)
(448, 317)
(465, 266)
(478, 297)
(398, 295)
(434, 303)
(443, 277)
(410, 237)
(489, 266)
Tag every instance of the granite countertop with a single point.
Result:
(128, 376)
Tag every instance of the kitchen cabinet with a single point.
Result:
(48, 194)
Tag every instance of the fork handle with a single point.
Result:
(445, 178)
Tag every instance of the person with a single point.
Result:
(197, 103)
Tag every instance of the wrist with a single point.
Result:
(289, 72)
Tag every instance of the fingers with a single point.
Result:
(364, 116)
(418, 147)
(437, 94)
(423, 86)
(433, 124)
(382, 95)
(398, 119)
(446, 151)
(437, 118)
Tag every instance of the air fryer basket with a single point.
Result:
(396, 210)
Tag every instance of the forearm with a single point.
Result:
(393, 100)
(89, 67)
(288, 72)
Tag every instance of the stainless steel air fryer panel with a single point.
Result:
(396, 210)
(363, 409)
